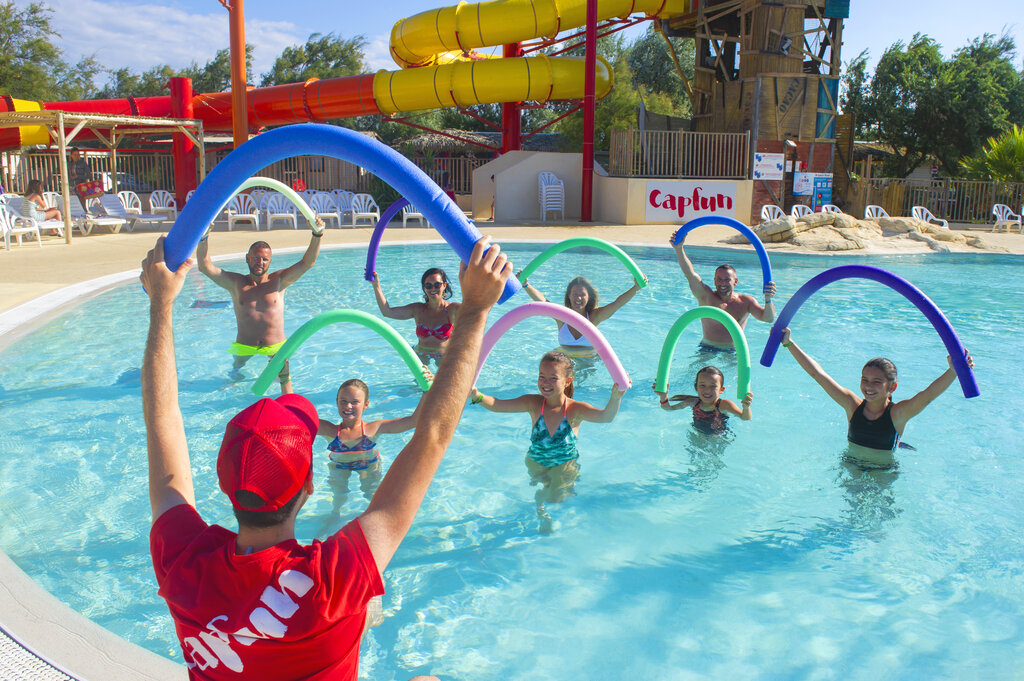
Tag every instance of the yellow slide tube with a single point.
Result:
(30, 134)
(441, 35)
(463, 84)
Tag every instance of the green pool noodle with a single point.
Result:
(738, 339)
(554, 250)
(334, 317)
(290, 194)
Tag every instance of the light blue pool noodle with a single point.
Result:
(323, 319)
(964, 373)
(738, 340)
(289, 193)
(755, 241)
(314, 139)
(594, 242)
(378, 233)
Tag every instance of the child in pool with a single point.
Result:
(556, 417)
(710, 409)
(876, 422)
(353, 445)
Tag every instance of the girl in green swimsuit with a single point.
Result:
(552, 457)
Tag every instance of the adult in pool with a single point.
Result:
(552, 459)
(876, 421)
(258, 298)
(258, 605)
(582, 297)
(435, 317)
(723, 296)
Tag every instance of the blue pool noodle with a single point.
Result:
(312, 139)
(964, 374)
(378, 233)
(762, 254)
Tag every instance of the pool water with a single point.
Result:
(755, 555)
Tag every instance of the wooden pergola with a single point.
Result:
(111, 130)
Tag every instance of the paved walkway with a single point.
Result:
(29, 271)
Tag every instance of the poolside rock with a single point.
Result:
(844, 221)
(827, 239)
(941, 233)
(779, 229)
(898, 225)
(816, 220)
(979, 242)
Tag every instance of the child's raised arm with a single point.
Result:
(904, 410)
(514, 405)
(682, 401)
(588, 412)
(744, 413)
(391, 426)
(844, 397)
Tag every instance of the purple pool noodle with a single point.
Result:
(378, 233)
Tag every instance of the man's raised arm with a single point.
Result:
(400, 494)
(697, 286)
(170, 474)
(291, 274)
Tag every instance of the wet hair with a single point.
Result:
(259, 244)
(34, 187)
(714, 371)
(562, 360)
(444, 278)
(885, 366)
(727, 266)
(591, 293)
(358, 384)
(261, 519)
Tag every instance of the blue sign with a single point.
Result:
(822, 192)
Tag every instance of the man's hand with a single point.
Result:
(483, 278)
(162, 285)
(769, 292)
(672, 241)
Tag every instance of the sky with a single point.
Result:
(140, 35)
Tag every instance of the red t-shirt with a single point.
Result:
(286, 612)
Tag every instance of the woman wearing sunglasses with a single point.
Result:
(435, 317)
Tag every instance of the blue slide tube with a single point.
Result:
(312, 139)
(762, 254)
(964, 374)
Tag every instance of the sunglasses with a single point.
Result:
(433, 285)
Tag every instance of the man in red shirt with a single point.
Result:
(257, 604)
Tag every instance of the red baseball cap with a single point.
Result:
(268, 450)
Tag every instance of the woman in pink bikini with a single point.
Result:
(434, 317)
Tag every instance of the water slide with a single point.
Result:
(440, 68)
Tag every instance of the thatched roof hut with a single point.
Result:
(466, 143)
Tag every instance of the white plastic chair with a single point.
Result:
(162, 202)
(14, 206)
(9, 225)
(364, 208)
(131, 201)
(922, 213)
(86, 219)
(410, 212)
(325, 208)
(800, 210)
(1005, 218)
(343, 200)
(241, 208)
(550, 194)
(113, 207)
(874, 212)
(770, 212)
(830, 208)
(188, 196)
(281, 209)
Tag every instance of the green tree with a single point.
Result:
(1002, 160)
(655, 61)
(853, 99)
(323, 56)
(215, 75)
(901, 101)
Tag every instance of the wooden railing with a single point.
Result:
(141, 172)
(967, 201)
(656, 153)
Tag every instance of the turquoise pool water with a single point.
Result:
(753, 556)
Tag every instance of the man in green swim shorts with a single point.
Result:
(258, 298)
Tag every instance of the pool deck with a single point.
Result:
(28, 271)
(40, 637)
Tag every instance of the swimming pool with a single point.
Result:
(755, 556)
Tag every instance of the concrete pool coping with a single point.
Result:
(36, 624)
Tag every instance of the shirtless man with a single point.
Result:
(724, 297)
(259, 299)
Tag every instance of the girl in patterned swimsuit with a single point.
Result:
(435, 317)
(710, 410)
(352, 442)
(556, 417)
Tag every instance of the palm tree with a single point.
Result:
(1002, 160)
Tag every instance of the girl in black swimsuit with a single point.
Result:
(876, 421)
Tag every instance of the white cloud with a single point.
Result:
(140, 36)
(378, 53)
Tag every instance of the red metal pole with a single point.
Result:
(511, 120)
(239, 108)
(182, 149)
(589, 87)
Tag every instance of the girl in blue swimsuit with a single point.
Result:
(876, 421)
(352, 444)
(552, 457)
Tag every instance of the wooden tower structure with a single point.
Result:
(770, 67)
